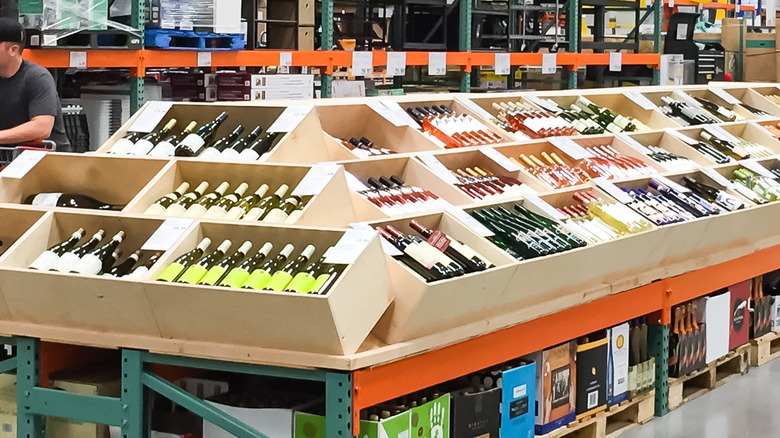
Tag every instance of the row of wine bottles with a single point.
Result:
(671, 161)
(258, 206)
(258, 272)
(436, 257)
(519, 117)
(484, 185)
(589, 118)
(665, 205)
(723, 151)
(762, 189)
(394, 197)
(91, 258)
(597, 220)
(365, 148)
(454, 129)
(197, 143)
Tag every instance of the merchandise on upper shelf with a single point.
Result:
(664, 202)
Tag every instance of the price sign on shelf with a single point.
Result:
(396, 63)
(549, 63)
(387, 247)
(470, 222)
(290, 118)
(723, 94)
(679, 135)
(671, 184)
(316, 179)
(500, 159)
(615, 61)
(437, 63)
(639, 147)
(354, 183)
(543, 206)
(570, 148)
(612, 190)
(78, 60)
(362, 63)
(476, 109)
(437, 167)
(350, 246)
(22, 164)
(204, 59)
(640, 100)
(502, 64)
(151, 116)
(753, 166)
(285, 59)
(167, 234)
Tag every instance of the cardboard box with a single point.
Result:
(760, 317)
(775, 314)
(739, 329)
(476, 414)
(619, 343)
(518, 401)
(432, 419)
(717, 320)
(592, 376)
(281, 81)
(393, 427)
(556, 383)
(275, 423)
(8, 406)
(310, 426)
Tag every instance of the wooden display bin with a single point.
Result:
(16, 221)
(308, 144)
(621, 146)
(88, 304)
(422, 308)
(747, 131)
(365, 122)
(114, 180)
(485, 103)
(335, 323)
(756, 97)
(727, 171)
(332, 207)
(669, 142)
(707, 94)
(703, 178)
(413, 172)
(535, 148)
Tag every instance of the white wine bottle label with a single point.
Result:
(438, 255)
(46, 199)
(156, 210)
(275, 216)
(235, 213)
(142, 147)
(248, 155)
(254, 214)
(422, 255)
(194, 142)
(90, 264)
(66, 263)
(195, 211)
(231, 154)
(45, 261)
(468, 252)
(121, 147)
(163, 149)
(215, 212)
(175, 210)
(210, 154)
(293, 217)
(138, 274)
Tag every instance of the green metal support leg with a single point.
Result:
(134, 423)
(327, 44)
(137, 83)
(574, 38)
(465, 41)
(658, 21)
(28, 425)
(658, 347)
(136, 93)
(338, 405)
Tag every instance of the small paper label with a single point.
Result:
(437, 63)
(545, 103)
(354, 183)
(362, 63)
(671, 184)
(387, 247)
(639, 147)
(615, 61)
(519, 391)
(22, 164)
(167, 234)
(679, 135)
(469, 221)
(78, 60)
(500, 159)
(285, 59)
(204, 59)
(151, 116)
(612, 190)
(186, 25)
(291, 117)
(549, 63)
(387, 113)
(640, 100)
(753, 166)
(396, 63)
(570, 148)
(723, 94)
(437, 167)
(316, 179)
(350, 246)
(400, 112)
(473, 107)
(682, 31)
(715, 176)
(542, 205)
(502, 64)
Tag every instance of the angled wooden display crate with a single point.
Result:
(756, 97)
(535, 148)
(714, 97)
(620, 146)
(15, 223)
(307, 143)
(667, 141)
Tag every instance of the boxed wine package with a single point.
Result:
(688, 339)
(641, 372)
(592, 374)
(739, 329)
(556, 383)
(391, 427)
(715, 313)
(476, 413)
(518, 401)
(619, 352)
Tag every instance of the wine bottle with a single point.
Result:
(123, 145)
(281, 278)
(125, 267)
(267, 204)
(262, 275)
(141, 272)
(454, 268)
(160, 205)
(217, 272)
(179, 208)
(147, 142)
(175, 269)
(244, 205)
(193, 143)
(49, 258)
(282, 212)
(325, 279)
(215, 150)
(238, 275)
(70, 259)
(196, 271)
(69, 200)
(201, 206)
(166, 147)
(425, 266)
(99, 260)
(232, 152)
(456, 250)
(304, 280)
(257, 149)
(220, 209)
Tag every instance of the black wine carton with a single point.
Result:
(592, 376)
(476, 414)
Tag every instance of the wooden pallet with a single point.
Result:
(692, 386)
(611, 422)
(764, 349)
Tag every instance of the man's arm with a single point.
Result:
(39, 128)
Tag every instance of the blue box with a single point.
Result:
(518, 401)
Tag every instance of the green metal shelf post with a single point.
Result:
(465, 41)
(658, 21)
(326, 44)
(658, 347)
(137, 12)
(574, 35)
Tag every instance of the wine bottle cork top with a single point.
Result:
(262, 190)
(287, 250)
(266, 248)
(204, 244)
(202, 187)
(225, 245)
(308, 251)
(245, 247)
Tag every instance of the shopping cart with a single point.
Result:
(8, 153)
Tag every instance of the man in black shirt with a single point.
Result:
(30, 108)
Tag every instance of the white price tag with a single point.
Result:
(737, 8)
(476, 109)
(545, 104)
(396, 63)
(78, 60)
(671, 184)
(290, 118)
(671, 3)
(285, 59)
(639, 147)
(387, 247)
(546, 208)
(549, 63)
(753, 166)
(151, 116)
(436, 167)
(167, 234)
(469, 221)
(400, 112)
(350, 246)
(316, 179)
(715, 176)
(22, 164)
(680, 136)
(354, 183)
(204, 59)
(362, 63)
(186, 25)
(437, 63)
(503, 64)
(500, 159)
(612, 190)
(387, 113)
(682, 31)
(723, 94)
(640, 100)
(570, 148)
(615, 61)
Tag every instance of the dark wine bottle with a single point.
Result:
(193, 143)
(69, 200)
